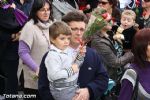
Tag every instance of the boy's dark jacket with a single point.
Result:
(128, 35)
(92, 75)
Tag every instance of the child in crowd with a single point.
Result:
(126, 31)
(62, 66)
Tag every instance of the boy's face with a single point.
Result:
(127, 21)
(62, 41)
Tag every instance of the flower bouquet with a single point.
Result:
(137, 5)
(99, 18)
(21, 17)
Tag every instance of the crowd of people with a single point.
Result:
(43, 49)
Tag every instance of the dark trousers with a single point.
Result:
(21, 82)
(8, 69)
(2, 83)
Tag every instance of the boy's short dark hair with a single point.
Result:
(57, 28)
(74, 16)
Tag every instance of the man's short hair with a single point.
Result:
(74, 16)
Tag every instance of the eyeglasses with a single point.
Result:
(102, 2)
(78, 29)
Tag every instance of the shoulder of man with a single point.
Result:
(92, 55)
(90, 50)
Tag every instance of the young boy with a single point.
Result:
(62, 66)
(126, 31)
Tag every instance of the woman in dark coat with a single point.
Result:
(9, 34)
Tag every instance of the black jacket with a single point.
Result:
(8, 26)
(128, 35)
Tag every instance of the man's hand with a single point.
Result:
(82, 50)
(75, 68)
(82, 94)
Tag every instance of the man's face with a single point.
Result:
(78, 29)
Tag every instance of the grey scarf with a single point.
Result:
(45, 25)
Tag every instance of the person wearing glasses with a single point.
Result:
(111, 7)
(34, 43)
(111, 53)
(93, 78)
(62, 67)
(106, 46)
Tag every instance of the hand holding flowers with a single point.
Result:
(99, 18)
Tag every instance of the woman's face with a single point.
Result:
(44, 13)
(105, 4)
